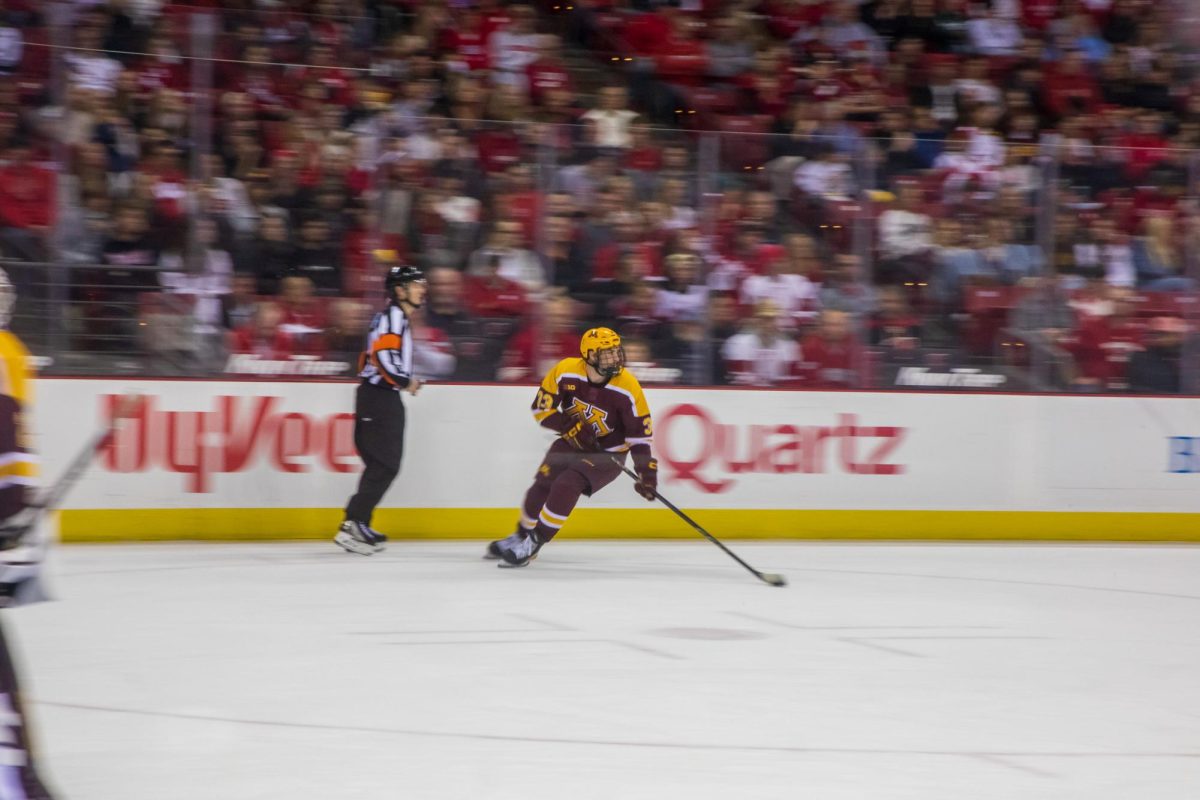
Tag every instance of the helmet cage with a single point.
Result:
(608, 361)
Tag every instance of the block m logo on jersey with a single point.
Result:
(597, 416)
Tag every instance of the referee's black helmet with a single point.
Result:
(402, 275)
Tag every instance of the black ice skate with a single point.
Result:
(521, 552)
(494, 548)
(359, 538)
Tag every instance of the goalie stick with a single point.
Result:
(771, 578)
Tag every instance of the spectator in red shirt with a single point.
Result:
(261, 82)
(823, 82)
(519, 201)
(537, 347)
(304, 317)
(748, 255)
(169, 182)
(768, 86)
(833, 356)
(647, 33)
(644, 157)
(491, 295)
(1104, 342)
(547, 73)
(786, 18)
(27, 197)
(322, 68)
(761, 355)
(500, 147)
(1070, 88)
(328, 25)
(162, 68)
(1145, 147)
(262, 337)
(629, 239)
(467, 40)
(1038, 14)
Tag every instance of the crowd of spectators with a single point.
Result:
(756, 192)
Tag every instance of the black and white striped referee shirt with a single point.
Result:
(388, 359)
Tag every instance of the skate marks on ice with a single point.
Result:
(616, 743)
(864, 634)
(1013, 669)
(538, 631)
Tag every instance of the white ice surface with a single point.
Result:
(618, 672)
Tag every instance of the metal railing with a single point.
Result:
(1000, 232)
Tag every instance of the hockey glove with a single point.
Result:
(647, 482)
(581, 436)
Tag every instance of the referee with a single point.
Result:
(385, 370)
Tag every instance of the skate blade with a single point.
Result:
(506, 565)
(352, 545)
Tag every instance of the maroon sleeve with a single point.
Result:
(642, 456)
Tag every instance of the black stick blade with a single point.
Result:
(774, 579)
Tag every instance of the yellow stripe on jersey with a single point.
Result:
(568, 366)
(626, 383)
(18, 468)
(547, 397)
(15, 382)
(14, 369)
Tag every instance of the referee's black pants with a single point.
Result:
(379, 438)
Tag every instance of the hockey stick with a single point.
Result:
(772, 578)
(52, 497)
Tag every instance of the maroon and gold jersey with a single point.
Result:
(18, 468)
(617, 408)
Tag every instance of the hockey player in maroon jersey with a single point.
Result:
(22, 546)
(598, 409)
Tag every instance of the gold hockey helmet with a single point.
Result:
(601, 349)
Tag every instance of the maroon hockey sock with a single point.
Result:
(564, 494)
(535, 498)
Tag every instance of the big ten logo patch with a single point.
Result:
(597, 416)
(234, 436)
(1183, 454)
